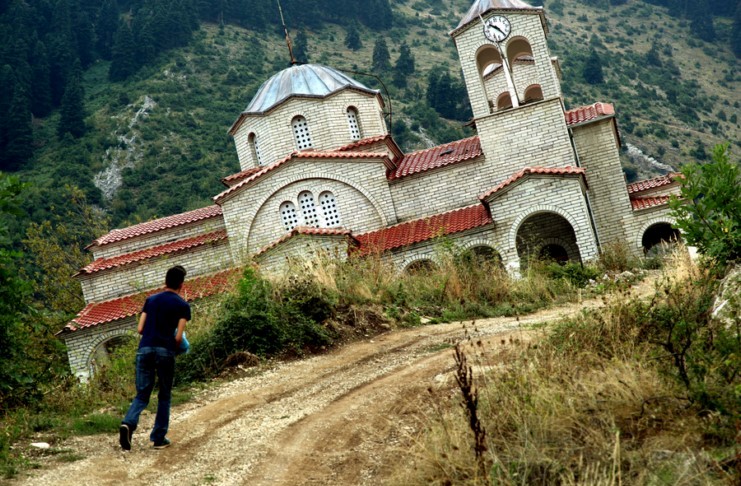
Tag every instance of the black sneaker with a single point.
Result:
(124, 437)
(161, 445)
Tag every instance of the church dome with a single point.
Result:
(480, 7)
(304, 80)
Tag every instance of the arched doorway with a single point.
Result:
(659, 236)
(104, 354)
(419, 267)
(549, 236)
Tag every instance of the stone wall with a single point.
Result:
(596, 145)
(327, 120)
(302, 251)
(147, 274)
(637, 222)
(524, 25)
(82, 344)
(360, 183)
(532, 135)
(158, 238)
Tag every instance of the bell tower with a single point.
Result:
(513, 86)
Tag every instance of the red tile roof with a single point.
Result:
(389, 141)
(304, 230)
(584, 114)
(533, 170)
(230, 180)
(646, 202)
(300, 155)
(418, 230)
(157, 225)
(440, 156)
(169, 248)
(640, 186)
(98, 313)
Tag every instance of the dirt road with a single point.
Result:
(336, 419)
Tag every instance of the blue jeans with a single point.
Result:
(151, 362)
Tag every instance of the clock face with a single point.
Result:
(497, 28)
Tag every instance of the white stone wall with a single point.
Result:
(81, 345)
(140, 276)
(302, 251)
(637, 222)
(532, 135)
(542, 194)
(360, 184)
(159, 238)
(597, 148)
(524, 24)
(327, 120)
(524, 75)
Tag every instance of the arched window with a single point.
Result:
(301, 133)
(308, 208)
(288, 215)
(518, 47)
(533, 93)
(488, 60)
(504, 101)
(329, 209)
(353, 123)
(255, 149)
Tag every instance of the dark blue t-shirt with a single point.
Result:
(164, 311)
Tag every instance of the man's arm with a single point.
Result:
(181, 328)
(142, 320)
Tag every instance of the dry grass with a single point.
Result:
(588, 404)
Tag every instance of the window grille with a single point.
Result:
(352, 121)
(308, 209)
(301, 132)
(329, 209)
(256, 148)
(288, 215)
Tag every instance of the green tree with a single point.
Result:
(72, 112)
(736, 32)
(123, 56)
(106, 27)
(592, 71)
(19, 133)
(381, 62)
(404, 66)
(352, 39)
(708, 210)
(41, 87)
(301, 48)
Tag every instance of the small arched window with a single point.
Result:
(301, 133)
(329, 209)
(308, 208)
(353, 123)
(288, 215)
(255, 149)
(504, 101)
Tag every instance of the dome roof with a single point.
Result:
(307, 80)
(480, 7)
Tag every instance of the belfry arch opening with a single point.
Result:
(547, 236)
(504, 101)
(487, 60)
(659, 236)
(518, 47)
(533, 93)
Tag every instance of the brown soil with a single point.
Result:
(342, 418)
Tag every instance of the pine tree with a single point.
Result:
(381, 62)
(106, 27)
(352, 39)
(736, 33)
(123, 62)
(72, 111)
(19, 132)
(404, 66)
(40, 86)
(592, 71)
(301, 48)
(702, 20)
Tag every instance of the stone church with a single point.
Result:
(320, 172)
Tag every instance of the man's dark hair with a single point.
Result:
(175, 277)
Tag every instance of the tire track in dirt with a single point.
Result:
(338, 418)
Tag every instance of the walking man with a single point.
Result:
(161, 325)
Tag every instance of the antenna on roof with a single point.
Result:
(288, 37)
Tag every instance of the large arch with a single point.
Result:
(638, 242)
(487, 59)
(86, 346)
(657, 234)
(542, 229)
(517, 47)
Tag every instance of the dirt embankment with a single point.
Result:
(340, 418)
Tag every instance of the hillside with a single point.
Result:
(156, 143)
